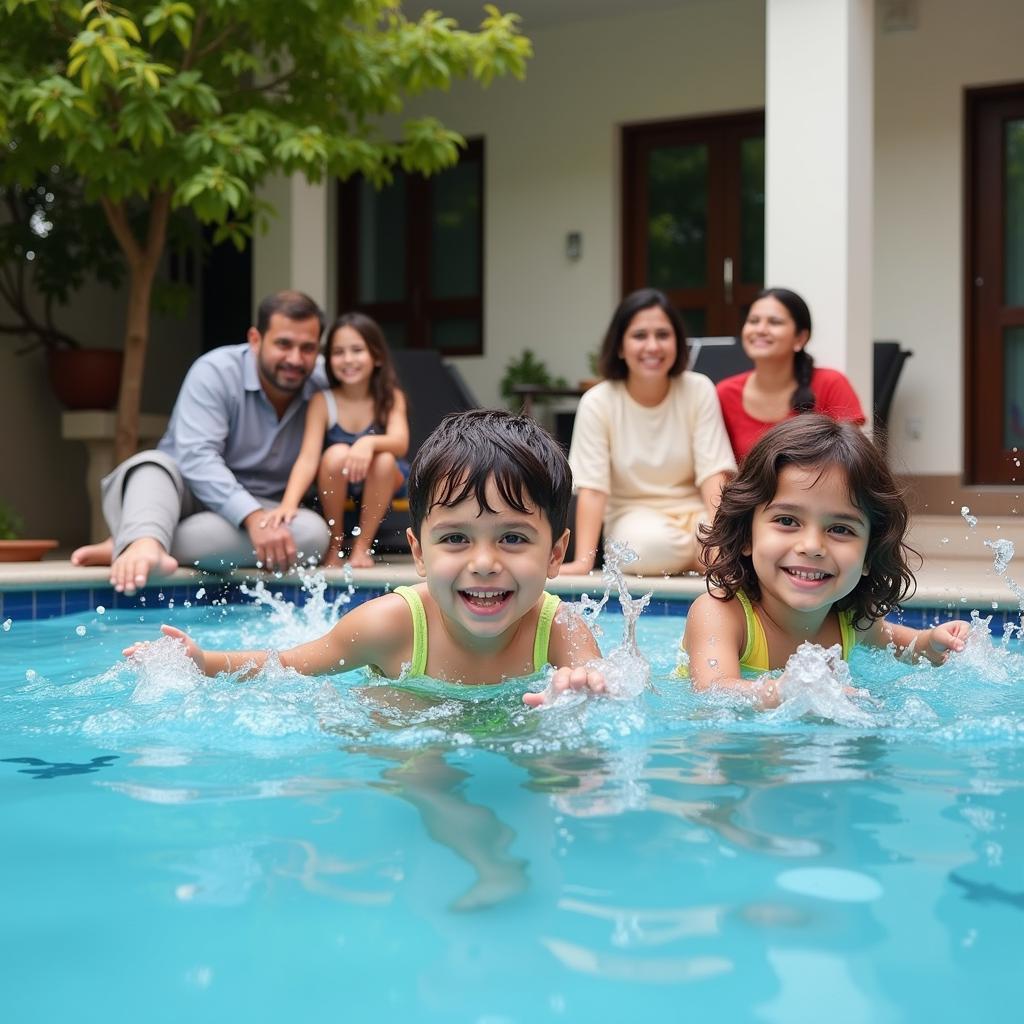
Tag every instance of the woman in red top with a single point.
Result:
(784, 381)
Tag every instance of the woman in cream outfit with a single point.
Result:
(649, 451)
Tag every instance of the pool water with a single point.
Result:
(290, 849)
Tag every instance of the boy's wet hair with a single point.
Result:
(469, 448)
(814, 441)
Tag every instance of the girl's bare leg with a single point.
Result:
(382, 481)
(333, 487)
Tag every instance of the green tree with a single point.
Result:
(173, 106)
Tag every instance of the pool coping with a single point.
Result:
(39, 590)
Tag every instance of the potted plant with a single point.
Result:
(14, 549)
(51, 242)
(527, 369)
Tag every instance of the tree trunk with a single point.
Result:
(142, 267)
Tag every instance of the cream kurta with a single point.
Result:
(651, 461)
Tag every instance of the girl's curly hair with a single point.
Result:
(816, 441)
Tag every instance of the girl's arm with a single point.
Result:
(395, 440)
(378, 633)
(304, 471)
(590, 506)
(715, 634)
(933, 644)
(571, 648)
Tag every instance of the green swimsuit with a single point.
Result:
(418, 665)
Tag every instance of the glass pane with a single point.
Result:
(456, 334)
(395, 333)
(1014, 255)
(752, 211)
(696, 321)
(455, 232)
(677, 182)
(1013, 389)
(382, 241)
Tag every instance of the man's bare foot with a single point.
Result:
(132, 567)
(334, 559)
(94, 554)
(361, 559)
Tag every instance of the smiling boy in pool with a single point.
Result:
(488, 497)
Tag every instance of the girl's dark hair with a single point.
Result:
(814, 441)
(469, 448)
(609, 363)
(803, 398)
(383, 381)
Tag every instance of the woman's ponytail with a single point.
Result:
(803, 399)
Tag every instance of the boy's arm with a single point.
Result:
(570, 648)
(378, 632)
(933, 644)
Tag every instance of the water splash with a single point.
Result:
(971, 521)
(817, 682)
(291, 624)
(626, 671)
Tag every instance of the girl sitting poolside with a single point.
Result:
(356, 434)
(807, 545)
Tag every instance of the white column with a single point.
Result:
(819, 131)
(294, 253)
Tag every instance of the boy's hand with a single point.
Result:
(580, 678)
(192, 649)
(948, 636)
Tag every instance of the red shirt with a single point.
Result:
(834, 396)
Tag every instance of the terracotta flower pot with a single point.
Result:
(86, 378)
(24, 550)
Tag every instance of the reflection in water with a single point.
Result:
(58, 769)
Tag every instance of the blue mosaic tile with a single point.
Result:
(19, 604)
(49, 604)
(77, 601)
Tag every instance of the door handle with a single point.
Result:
(727, 279)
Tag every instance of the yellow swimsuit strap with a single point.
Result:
(543, 637)
(755, 650)
(418, 665)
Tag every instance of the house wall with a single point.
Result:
(42, 476)
(553, 163)
(920, 80)
(553, 166)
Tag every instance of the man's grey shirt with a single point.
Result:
(225, 435)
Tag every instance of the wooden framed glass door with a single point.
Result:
(693, 216)
(994, 356)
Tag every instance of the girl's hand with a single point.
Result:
(580, 678)
(280, 516)
(948, 636)
(192, 649)
(360, 455)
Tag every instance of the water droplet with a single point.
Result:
(712, 663)
(356, 531)
(80, 630)
(200, 593)
(970, 520)
(100, 610)
(330, 522)
(7, 625)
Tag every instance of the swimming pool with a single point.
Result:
(182, 848)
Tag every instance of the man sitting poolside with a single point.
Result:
(235, 432)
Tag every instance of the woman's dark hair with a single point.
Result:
(610, 364)
(469, 448)
(803, 398)
(814, 441)
(383, 381)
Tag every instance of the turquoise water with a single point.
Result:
(177, 848)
